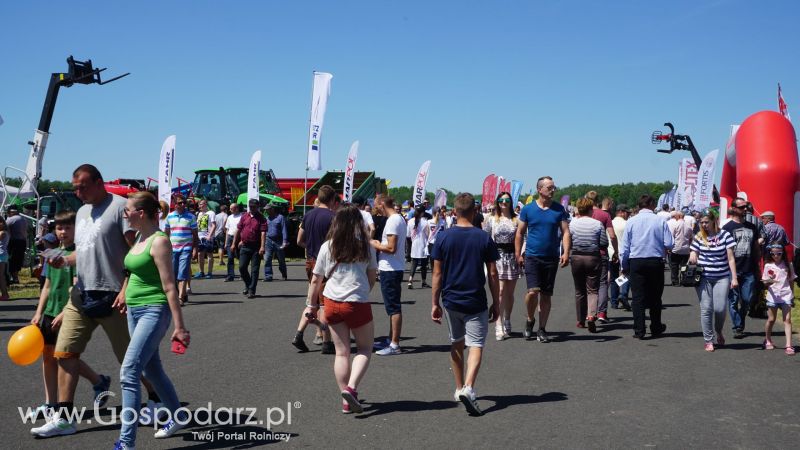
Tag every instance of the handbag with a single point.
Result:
(689, 275)
(95, 304)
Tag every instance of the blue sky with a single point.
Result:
(570, 89)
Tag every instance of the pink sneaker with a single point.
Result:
(351, 397)
(768, 345)
(709, 347)
(345, 407)
(789, 351)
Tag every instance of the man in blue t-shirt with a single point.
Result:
(541, 221)
(459, 256)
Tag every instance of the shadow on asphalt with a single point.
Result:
(675, 305)
(7, 307)
(504, 401)
(557, 336)
(377, 409)
(282, 296)
(8, 324)
(210, 302)
(690, 334)
(426, 349)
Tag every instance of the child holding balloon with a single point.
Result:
(49, 314)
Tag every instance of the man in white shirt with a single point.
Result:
(664, 213)
(618, 294)
(391, 264)
(231, 223)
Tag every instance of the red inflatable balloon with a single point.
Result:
(764, 165)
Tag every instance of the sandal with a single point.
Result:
(789, 351)
(768, 345)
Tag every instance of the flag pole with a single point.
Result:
(308, 139)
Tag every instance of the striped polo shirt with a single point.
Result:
(180, 227)
(712, 254)
(588, 235)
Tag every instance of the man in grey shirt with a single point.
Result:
(102, 239)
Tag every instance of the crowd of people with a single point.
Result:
(125, 265)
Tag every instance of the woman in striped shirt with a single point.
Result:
(712, 250)
(588, 237)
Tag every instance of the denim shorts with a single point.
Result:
(471, 328)
(540, 274)
(182, 265)
(206, 245)
(391, 282)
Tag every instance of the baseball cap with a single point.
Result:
(768, 213)
(50, 237)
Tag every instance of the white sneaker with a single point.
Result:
(498, 333)
(467, 397)
(34, 414)
(390, 350)
(168, 430)
(455, 395)
(148, 413)
(56, 426)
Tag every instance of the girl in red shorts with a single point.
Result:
(347, 261)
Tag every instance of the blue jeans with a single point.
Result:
(273, 248)
(249, 256)
(229, 250)
(739, 299)
(147, 326)
(602, 290)
(616, 292)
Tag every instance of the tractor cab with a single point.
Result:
(215, 186)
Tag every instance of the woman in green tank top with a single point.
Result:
(151, 301)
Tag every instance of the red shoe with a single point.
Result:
(580, 325)
(350, 396)
(709, 347)
(4, 298)
(602, 317)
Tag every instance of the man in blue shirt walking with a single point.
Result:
(277, 240)
(646, 240)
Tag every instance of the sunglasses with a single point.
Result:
(504, 200)
(180, 203)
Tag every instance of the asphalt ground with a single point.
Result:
(604, 390)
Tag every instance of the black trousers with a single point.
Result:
(675, 263)
(647, 285)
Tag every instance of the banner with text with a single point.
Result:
(319, 102)
(705, 181)
(252, 176)
(489, 184)
(165, 164)
(420, 182)
(516, 189)
(349, 172)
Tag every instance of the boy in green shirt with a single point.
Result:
(49, 314)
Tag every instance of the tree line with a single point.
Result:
(627, 193)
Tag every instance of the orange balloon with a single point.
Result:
(26, 345)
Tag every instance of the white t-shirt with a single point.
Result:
(689, 219)
(204, 222)
(349, 281)
(395, 225)
(232, 223)
(367, 218)
(619, 229)
(419, 237)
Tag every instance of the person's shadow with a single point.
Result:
(504, 401)
(500, 402)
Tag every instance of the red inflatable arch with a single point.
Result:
(764, 165)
